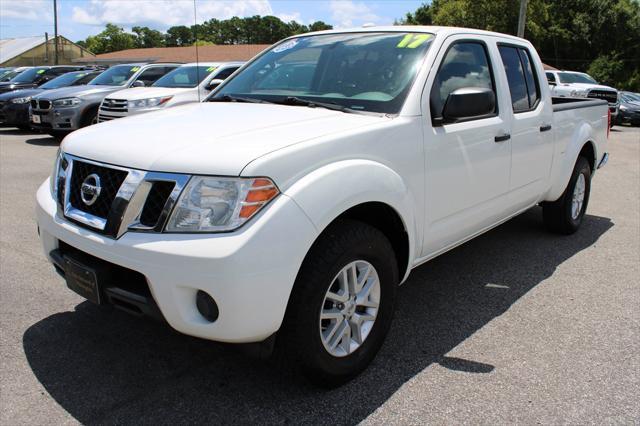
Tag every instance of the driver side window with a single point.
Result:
(466, 64)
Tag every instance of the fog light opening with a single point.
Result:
(207, 306)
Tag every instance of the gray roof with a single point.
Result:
(12, 47)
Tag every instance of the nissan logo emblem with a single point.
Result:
(90, 189)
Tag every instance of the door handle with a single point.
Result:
(545, 127)
(502, 138)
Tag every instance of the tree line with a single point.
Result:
(249, 30)
(600, 37)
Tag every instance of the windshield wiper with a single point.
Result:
(230, 98)
(294, 100)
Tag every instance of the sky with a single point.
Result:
(78, 19)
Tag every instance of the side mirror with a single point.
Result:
(551, 82)
(213, 84)
(138, 83)
(468, 102)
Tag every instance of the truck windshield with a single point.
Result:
(115, 76)
(574, 77)
(189, 76)
(28, 76)
(64, 80)
(356, 71)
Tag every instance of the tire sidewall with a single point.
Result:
(582, 167)
(314, 351)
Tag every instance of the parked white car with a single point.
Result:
(187, 83)
(288, 207)
(580, 84)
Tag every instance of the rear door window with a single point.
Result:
(523, 84)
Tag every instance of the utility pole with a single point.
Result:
(522, 18)
(55, 31)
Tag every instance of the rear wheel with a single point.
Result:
(342, 303)
(565, 215)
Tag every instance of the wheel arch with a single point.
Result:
(362, 190)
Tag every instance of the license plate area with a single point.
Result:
(35, 118)
(83, 279)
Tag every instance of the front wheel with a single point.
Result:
(342, 303)
(565, 215)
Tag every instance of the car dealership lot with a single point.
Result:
(516, 326)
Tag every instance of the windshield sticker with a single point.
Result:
(285, 46)
(40, 71)
(134, 69)
(211, 69)
(412, 41)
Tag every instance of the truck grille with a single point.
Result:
(110, 182)
(607, 95)
(112, 108)
(40, 104)
(117, 195)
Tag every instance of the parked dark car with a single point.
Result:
(629, 108)
(36, 76)
(14, 106)
(9, 73)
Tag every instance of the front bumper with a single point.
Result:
(14, 114)
(249, 272)
(59, 119)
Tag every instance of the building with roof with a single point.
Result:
(40, 50)
(210, 53)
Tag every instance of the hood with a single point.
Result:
(20, 94)
(207, 138)
(135, 93)
(8, 85)
(77, 91)
(586, 86)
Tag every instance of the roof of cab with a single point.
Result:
(416, 29)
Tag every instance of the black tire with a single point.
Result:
(90, 117)
(24, 127)
(557, 215)
(58, 135)
(299, 340)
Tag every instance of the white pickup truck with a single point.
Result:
(289, 207)
(187, 83)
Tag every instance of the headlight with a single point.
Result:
(148, 103)
(623, 108)
(21, 100)
(215, 204)
(66, 102)
(54, 174)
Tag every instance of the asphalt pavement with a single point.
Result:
(516, 326)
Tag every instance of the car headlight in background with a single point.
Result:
(66, 102)
(148, 103)
(24, 100)
(216, 204)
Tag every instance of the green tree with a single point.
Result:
(320, 26)
(146, 37)
(179, 36)
(599, 36)
(111, 39)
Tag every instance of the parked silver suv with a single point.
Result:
(64, 110)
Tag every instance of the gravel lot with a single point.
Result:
(516, 326)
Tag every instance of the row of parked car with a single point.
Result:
(624, 106)
(60, 99)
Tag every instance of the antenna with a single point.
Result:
(195, 42)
